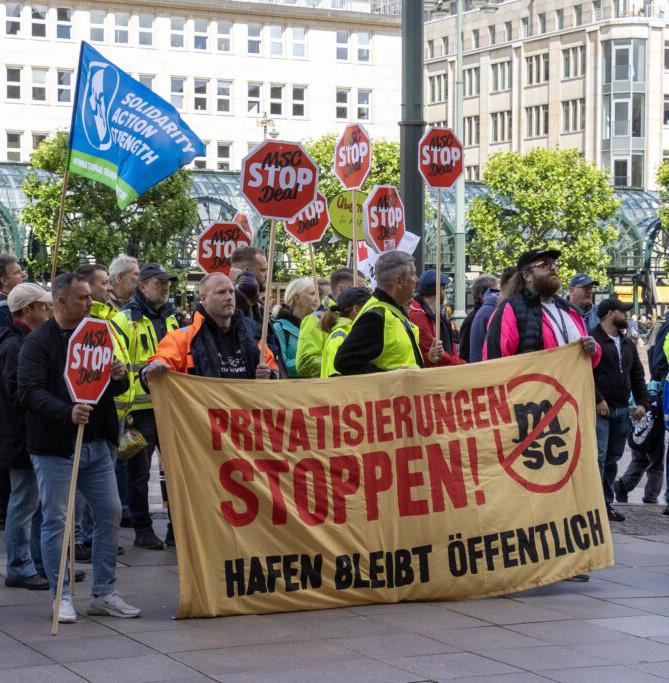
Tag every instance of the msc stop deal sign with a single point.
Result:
(90, 353)
(216, 244)
(440, 157)
(279, 179)
(383, 218)
(353, 156)
(311, 223)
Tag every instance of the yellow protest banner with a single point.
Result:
(437, 484)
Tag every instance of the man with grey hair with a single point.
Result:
(382, 337)
(123, 277)
(479, 287)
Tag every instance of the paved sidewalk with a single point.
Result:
(614, 628)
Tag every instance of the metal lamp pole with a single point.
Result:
(460, 263)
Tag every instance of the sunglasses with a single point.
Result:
(545, 265)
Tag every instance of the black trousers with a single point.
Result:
(139, 470)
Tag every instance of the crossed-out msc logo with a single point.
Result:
(100, 89)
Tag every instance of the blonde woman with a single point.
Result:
(300, 299)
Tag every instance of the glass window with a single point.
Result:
(525, 27)
(121, 19)
(542, 22)
(298, 41)
(223, 156)
(177, 26)
(342, 45)
(200, 94)
(12, 18)
(63, 23)
(224, 28)
(666, 55)
(638, 60)
(38, 23)
(637, 115)
(444, 45)
(253, 100)
(597, 10)
(341, 110)
(363, 46)
(429, 49)
(13, 83)
(146, 30)
(97, 25)
(621, 63)
(508, 30)
(559, 19)
(200, 34)
(223, 89)
(637, 170)
(472, 131)
(621, 118)
(146, 80)
(665, 117)
(491, 35)
(472, 81)
(37, 138)
(254, 39)
(606, 118)
(364, 100)
(276, 100)
(578, 15)
(620, 172)
(200, 163)
(39, 84)
(13, 146)
(276, 41)
(500, 126)
(177, 90)
(476, 39)
(299, 100)
(64, 85)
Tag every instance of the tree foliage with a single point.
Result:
(94, 226)
(663, 182)
(385, 170)
(543, 198)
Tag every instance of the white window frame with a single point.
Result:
(200, 100)
(472, 130)
(253, 103)
(472, 81)
(223, 36)
(223, 98)
(537, 68)
(39, 137)
(500, 76)
(362, 107)
(276, 104)
(144, 31)
(297, 102)
(343, 47)
(492, 34)
(38, 22)
(200, 35)
(39, 85)
(64, 88)
(508, 31)
(178, 97)
(177, 33)
(500, 126)
(147, 80)
(578, 15)
(13, 83)
(363, 48)
(121, 31)
(97, 26)
(13, 20)
(476, 39)
(223, 161)
(559, 19)
(541, 20)
(63, 26)
(14, 153)
(536, 121)
(276, 40)
(342, 108)
(298, 46)
(254, 39)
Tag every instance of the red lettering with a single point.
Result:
(257, 430)
(402, 411)
(273, 469)
(479, 408)
(498, 406)
(319, 414)
(298, 437)
(305, 467)
(218, 420)
(383, 420)
(275, 429)
(342, 487)
(356, 434)
(464, 416)
(234, 487)
(406, 480)
(378, 477)
(443, 412)
(240, 421)
(448, 477)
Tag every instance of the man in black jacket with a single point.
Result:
(51, 427)
(618, 373)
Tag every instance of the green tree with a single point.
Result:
(543, 198)
(94, 226)
(663, 182)
(385, 170)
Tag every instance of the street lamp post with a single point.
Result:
(268, 127)
(460, 266)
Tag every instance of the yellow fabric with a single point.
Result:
(438, 484)
(334, 340)
(398, 351)
(310, 346)
(140, 339)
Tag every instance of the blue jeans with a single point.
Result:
(98, 484)
(22, 528)
(611, 438)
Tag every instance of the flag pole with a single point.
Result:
(312, 258)
(354, 238)
(61, 217)
(268, 289)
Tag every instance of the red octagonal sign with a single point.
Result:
(440, 157)
(279, 179)
(383, 218)
(311, 223)
(216, 244)
(90, 353)
(353, 156)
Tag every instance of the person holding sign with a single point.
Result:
(382, 337)
(52, 420)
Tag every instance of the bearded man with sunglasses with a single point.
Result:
(533, 317)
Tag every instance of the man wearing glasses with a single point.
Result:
(533, 317)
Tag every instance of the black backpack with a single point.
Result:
(647, 434)
(657, 359)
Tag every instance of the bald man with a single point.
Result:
(221, 342)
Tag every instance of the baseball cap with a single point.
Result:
(536, 254)
(427, 282)
(154, 270)
(25, 294)
(612, 304)
(582, 280)
(352, 296)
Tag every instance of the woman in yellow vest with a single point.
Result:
(337, 323)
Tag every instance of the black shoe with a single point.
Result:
(126, 521)
(169, 538)
(619, 490)
(148, 540)
(614, 515)
(666, 510)
(82, 553)
(120, 550)
(79, 575)
(36, 582)
(650, 501)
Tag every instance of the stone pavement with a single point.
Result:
(614, 628)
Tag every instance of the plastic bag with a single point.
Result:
(131, 442)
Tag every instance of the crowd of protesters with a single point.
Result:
(322, 329)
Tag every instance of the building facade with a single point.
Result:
(592, 75)
(237, 71)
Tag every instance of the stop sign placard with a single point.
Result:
(216, 243)
(90, 353)
(311, 223)
(279, 179)
(242, 221)
(440, 157)
(353, 156)
(383, 218)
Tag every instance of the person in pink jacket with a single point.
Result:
(533, 317)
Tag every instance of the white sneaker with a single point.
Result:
(66, 613)
(112, 605)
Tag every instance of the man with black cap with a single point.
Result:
(533, 317)
(618, 373)
(422, 314)
(142, 323)
(581, 288)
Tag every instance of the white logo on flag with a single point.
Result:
(102, 84)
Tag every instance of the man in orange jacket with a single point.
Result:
(219, 343)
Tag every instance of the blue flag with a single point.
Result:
(123, 135)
